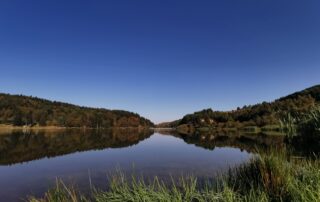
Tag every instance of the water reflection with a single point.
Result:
(251, 143)
(23, 146)
(19, 146)
(72, 154)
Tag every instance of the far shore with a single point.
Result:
(8, 128)
(5, 129)
(5, 126)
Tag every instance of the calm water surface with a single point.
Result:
(31, 162)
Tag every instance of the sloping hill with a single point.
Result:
(313, 91)
(263, 114)
(21, 110)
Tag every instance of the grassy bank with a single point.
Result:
(7, 129)
(8, 126)
(266, 178)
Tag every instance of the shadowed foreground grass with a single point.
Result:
(266, 178)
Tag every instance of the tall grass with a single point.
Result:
(288, 125)
(310, 123)
(304, 124)
(61, 193)
(272, 177)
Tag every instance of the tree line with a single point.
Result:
(22, 110)
(266, 113)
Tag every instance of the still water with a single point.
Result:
(30, 162)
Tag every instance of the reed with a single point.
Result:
(303, 124)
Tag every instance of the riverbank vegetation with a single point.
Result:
(19, 110)
(272, 177)
(304, 124)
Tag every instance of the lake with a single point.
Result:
(31, 161)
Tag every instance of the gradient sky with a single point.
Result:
(161, 59)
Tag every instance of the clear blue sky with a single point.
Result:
(161, 59)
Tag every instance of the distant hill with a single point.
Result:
(168, 124)
(263, 114)
(22, 110)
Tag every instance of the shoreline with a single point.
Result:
(4, 126)
(10, 128)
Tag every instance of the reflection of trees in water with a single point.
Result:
(249, 142)
(253, 143)
(23, 146)
(18, 146)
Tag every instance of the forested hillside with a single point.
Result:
(21, 110)
(266, 113)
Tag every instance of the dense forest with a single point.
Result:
(22, 110)
(263, 114)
